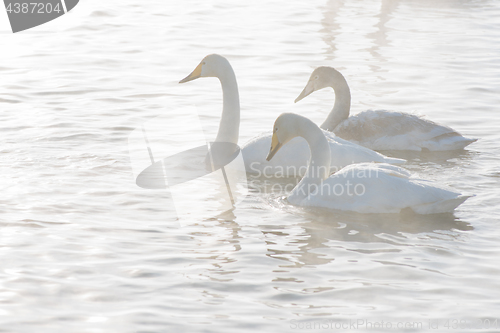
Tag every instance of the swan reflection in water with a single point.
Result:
(363, 233)
(306, 236)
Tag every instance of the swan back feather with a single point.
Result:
(363, 188)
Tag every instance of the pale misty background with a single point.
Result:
(85, 250)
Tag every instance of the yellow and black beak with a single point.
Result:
(309, 88)
(275, 146)
(194, 74)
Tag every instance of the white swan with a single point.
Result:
(293, 159)
(380, 129)
(362, 188)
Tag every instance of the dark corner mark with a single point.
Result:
(26, 14)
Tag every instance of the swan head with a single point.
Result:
(320, 78)
(210, 66)
(284, 130)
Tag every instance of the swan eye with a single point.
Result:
(276, 129)
(316, 77)
(203, 63)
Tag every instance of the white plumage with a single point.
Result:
(293, 160)
(380, 129)
(362, 188)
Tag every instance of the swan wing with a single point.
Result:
(382, 188)
(293, 158)
(389, 130)
(344, 153)
(290, 161)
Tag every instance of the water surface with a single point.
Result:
(85, 250)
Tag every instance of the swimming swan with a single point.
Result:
(380, 129)
(362, 188)
(293, 159)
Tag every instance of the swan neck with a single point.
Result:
(319, 163)
(230, 121)
(340, 111)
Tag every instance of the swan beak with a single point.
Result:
(275, 146)
(306, 92)
(194, 74)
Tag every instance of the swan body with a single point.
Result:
(292, 161)
(362, 188)
(380, 129)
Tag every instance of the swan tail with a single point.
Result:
(459, 143)
(450, 142)
(466, 141)
(443, 206)
(393, 160)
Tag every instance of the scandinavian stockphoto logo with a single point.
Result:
(204, 179)
(26, 14)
